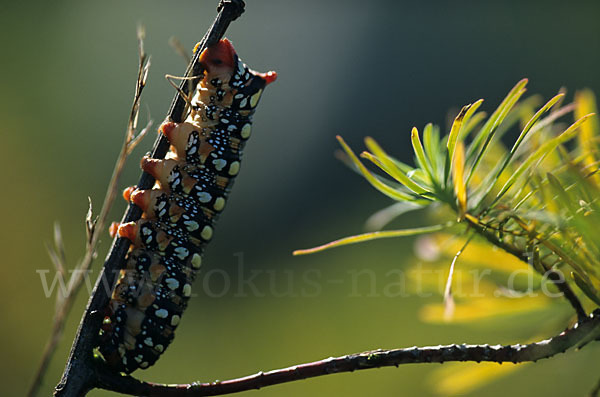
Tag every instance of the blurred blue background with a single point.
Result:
(353, 68)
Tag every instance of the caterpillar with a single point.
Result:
(179, 212)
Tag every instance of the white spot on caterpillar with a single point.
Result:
(175, 320)
(224, 120)
(219, 204)
(161, 313)
(172, 283)
(234, 168)
(254, 99)
(187, 290)
(243, 102)
(219, 164)
(196, 261)
(182, 252)
(191, 225)
(246, 130)
(206, 233)
(161, 205)
(232, 127)
(172, 176)
(124, 360)
(238, 96)
(192, 150)
(204, 197)
(138, 358)
(148, 342)
(159, 348)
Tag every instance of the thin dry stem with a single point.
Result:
(180, 49)
(138, 138)
(94, 228)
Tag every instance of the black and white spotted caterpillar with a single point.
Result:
(179, 213)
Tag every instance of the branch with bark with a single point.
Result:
(586, 330)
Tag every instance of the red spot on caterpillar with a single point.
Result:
(128, 231)
(112, 229)
(269, 77)
(149, 165)
(219, 55)
(127, 193)
(167, 128)
(142, 198)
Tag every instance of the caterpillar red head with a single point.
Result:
(219, 59)
(222, 59)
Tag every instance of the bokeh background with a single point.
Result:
(355, 68)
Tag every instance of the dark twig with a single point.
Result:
(587, 329)
(80, 375)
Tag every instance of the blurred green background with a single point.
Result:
(353, 68)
